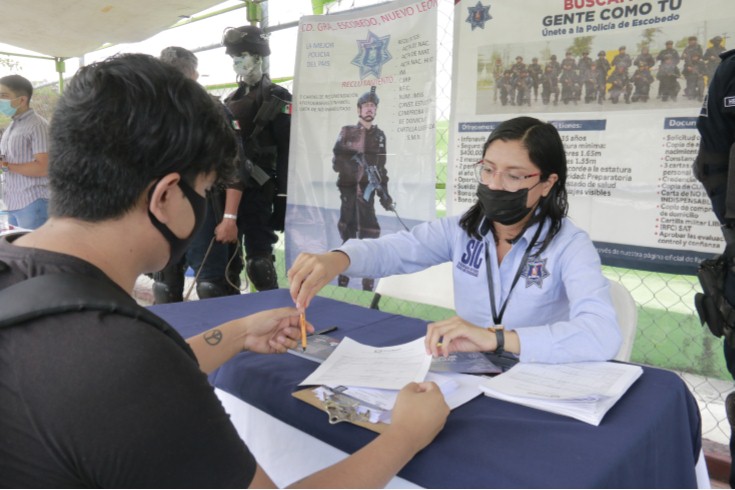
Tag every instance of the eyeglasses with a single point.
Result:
(510, 181)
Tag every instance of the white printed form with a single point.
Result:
(356, 364)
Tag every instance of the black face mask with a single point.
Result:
(179, 245)
(504, 207)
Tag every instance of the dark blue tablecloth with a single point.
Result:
(650, 438)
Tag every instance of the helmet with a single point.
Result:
(716, 40)
(246, 38)
(368, 97)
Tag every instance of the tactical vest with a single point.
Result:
(259, 144)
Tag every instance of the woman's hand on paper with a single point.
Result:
(311, 272)
(458, 335)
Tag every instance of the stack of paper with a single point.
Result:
(584, 391)
(356, 364)
(372, 376)
(320, 347)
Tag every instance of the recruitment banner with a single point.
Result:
(623, 81)
(362, 157)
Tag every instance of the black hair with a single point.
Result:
(124, 123)
(546, 151)
(19, 85)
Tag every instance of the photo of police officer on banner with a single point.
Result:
(359, 159)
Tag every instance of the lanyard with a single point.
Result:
(498, 316)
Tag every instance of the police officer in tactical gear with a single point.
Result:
(359, 159)
(667, 56)
(711, 57)
(262, 110)
(715, 168)
(206, 256)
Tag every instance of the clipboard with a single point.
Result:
(339, 411)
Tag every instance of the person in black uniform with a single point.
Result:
(262, 110)
(669, 50)
(713, 167)
(584, 65)
(668, 79)
(694, 70)
(209, 252)
(642, 81)
(622, 59)
(619, 84)
(523, 84)
(569, 82)
(359, 159)
(549, 85)
(498, 70)
(603, 67)
(711, 57)
(536, 71)
(693, 47)
(646, 57)
(668, 53)
(506, 85)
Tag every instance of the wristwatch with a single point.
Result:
(230, 216)
(499, 337)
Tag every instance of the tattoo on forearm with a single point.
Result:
(213, 337)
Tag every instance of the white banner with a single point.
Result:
(386, 172)
(630, 147)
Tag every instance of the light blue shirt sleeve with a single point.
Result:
(403, 252)
(560, 307)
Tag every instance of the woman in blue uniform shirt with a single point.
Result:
(527, 281)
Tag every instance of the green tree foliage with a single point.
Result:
(9, 63)
(580, 45)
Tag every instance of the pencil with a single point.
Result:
(302, 321)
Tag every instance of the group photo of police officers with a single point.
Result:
(581, 80)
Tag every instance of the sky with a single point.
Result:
(214, 66)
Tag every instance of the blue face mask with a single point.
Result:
(6, 108)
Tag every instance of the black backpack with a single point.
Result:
(54, 294)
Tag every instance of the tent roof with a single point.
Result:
(68, 28)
